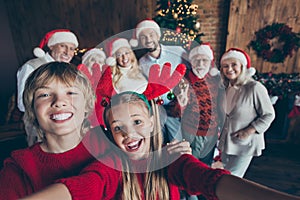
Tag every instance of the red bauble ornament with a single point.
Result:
(104, 103)
(178, 30)
(159, 101)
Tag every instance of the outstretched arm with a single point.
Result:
(55, 191)
(231, 187)
(197, 178)
(97, 180)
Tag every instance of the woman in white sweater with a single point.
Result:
(126, 74)
(248, 112)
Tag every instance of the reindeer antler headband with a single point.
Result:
(160, 81)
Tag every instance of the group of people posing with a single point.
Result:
(118, 127)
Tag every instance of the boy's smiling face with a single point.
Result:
(59, 108)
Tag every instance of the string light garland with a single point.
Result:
(275, 42)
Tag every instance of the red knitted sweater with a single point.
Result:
(31, 169)
(202, 105)
(103, 181)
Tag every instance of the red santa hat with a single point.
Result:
(112, 48)
(242, 56)
(147, 23)
(93, 51)
(205, 49)
(54, 37)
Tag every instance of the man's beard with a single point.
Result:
(153, 49)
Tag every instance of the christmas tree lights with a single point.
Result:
(179, 18)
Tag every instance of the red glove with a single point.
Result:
(161, 83)
(84, 69)
(104, 87)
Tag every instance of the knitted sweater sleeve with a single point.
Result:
(96, 181)
(195, 177)
(13, 181)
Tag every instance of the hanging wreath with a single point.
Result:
(275, 42)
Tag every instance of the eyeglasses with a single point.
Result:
(198, 61)
(119, 55)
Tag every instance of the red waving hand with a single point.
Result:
(160, 81)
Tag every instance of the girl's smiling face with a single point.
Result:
(131, 128)
(59, 108)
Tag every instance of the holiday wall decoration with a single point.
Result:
(275, 42)
(180, 20)
(281, 85)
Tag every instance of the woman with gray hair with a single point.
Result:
(248, 112)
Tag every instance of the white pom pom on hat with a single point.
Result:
(38, 52)
(251, 71)
(242, 56)
(111, 61)
(273, 99)
(214, 71)
(133, 42)
(54, 37)
(144, 24)
(112, 47)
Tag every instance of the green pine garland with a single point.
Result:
(281, 84)
(290, 42)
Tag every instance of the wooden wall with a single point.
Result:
(92, 20)
(96, 20)
(248, 16)
(225, 23)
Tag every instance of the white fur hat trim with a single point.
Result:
(202, 49)
(91, 52)
(62, 37)
(237, 55)
(145, 24)
(119, 43)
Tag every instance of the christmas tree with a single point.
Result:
(180, 22)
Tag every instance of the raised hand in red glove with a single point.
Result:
(105, 87)
(160, 81)
(83, 68)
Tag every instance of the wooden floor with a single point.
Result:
(278, 167)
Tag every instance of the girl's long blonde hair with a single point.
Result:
(155, 185)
